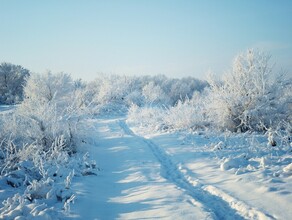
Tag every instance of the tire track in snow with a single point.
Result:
(218, 203)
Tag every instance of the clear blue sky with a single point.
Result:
(175, 38)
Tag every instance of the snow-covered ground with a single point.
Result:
(132, 183)
(6, 108)
(146, 174)
(178, 176)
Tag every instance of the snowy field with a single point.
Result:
(161, 175)
(141, 174)
(171, 176)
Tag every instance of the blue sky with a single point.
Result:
(175, 38)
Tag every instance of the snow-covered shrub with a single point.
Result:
(147, 117)
(110, 94)
(52, 107)
(248, 97)
(116, 93)
(187, 115)
(12, 81)
(111, 89)
(31, 161)
(280, 135)
(154, 95)
(184, 89)
(37, 140)
(41, 179)
(169, 91)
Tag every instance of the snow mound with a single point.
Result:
(288, 169)
(235, 162)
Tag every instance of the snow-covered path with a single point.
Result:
(130, 184)
(139, 180)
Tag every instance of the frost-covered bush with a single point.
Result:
(168, 92)
(52, 107)
(37, 141)
(12, 81)
(248, 97)
(281, 135)
(116, 93)
(154, 95)
(147, 117)
(111, 89)
(41, 180)
(184, 89)
(111, 93)
(187, 115)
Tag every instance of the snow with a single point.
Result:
(288, 169)
(149, 147)
(225, 171)
(4, 109)
(173, 176)
(124, 171)
(131, 182)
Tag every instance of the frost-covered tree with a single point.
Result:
(183, 89)
(188, 114)
(248, 97)
(154, 95)
(113, 93)
(51, 108)
(12, 80)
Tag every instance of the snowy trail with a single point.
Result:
(220, 203)
(129, 185)
(138, 180)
